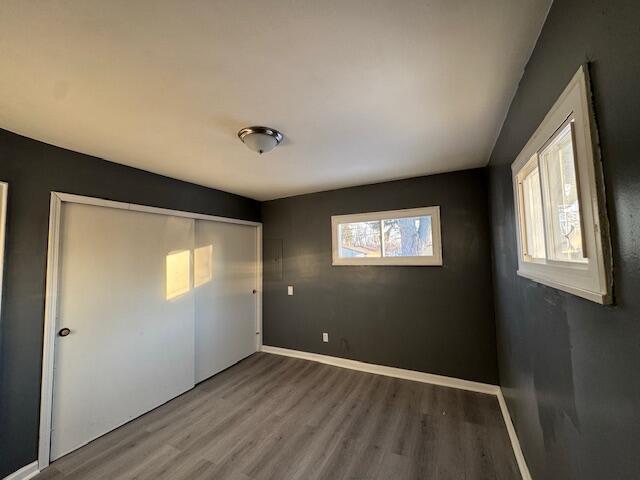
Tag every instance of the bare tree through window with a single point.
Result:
(407, 237)
(398, 237)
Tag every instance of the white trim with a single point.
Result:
(51, 300)
(436, 237)
(418, 377)
(4, 187)
(25, 473)
(51, 297)
(387, 371)
(591, 280)
(72, 198)
(513, 436)
(540, 278)
(259, 288)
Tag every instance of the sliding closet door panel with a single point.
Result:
(126, 295)
(225, 274)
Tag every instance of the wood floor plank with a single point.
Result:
(272, 417)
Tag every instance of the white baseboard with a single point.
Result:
(417, 377)
(26, 472)
(387, 371)
(513, 436)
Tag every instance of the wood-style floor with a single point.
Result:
(273, 417)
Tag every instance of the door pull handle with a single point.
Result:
(64, 332)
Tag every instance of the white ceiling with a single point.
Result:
(363, 90)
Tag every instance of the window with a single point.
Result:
(398, 237)
(563, 237)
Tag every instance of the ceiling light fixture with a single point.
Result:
(260, 139)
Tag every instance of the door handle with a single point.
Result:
(64, 332)
(254, 291)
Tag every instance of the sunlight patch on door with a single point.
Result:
(202, 265)
(178, 273)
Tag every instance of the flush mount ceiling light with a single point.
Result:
(260, 139)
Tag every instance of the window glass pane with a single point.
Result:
(360, 239)
(407, 237)
(561, 195)
(533, 215)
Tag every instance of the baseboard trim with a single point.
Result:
(26, 472)
(387, 371)
(418, 377)
(513, 436)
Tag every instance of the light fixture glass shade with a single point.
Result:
(260, 142)
(260, 139)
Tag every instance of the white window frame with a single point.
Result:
(433, 260)
(590, 280)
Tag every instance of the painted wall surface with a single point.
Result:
(569, 367)
(34, 169)
(432, 319)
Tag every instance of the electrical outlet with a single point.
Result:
(325, 337)
(290, 290)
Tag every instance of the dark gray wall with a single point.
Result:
(570, 366)
(432, 319)
(33, 170)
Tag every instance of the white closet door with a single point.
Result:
(225, 277)
(125, 293)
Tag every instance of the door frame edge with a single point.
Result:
(259, 274)
(51, 301)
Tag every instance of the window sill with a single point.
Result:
(596, 297)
